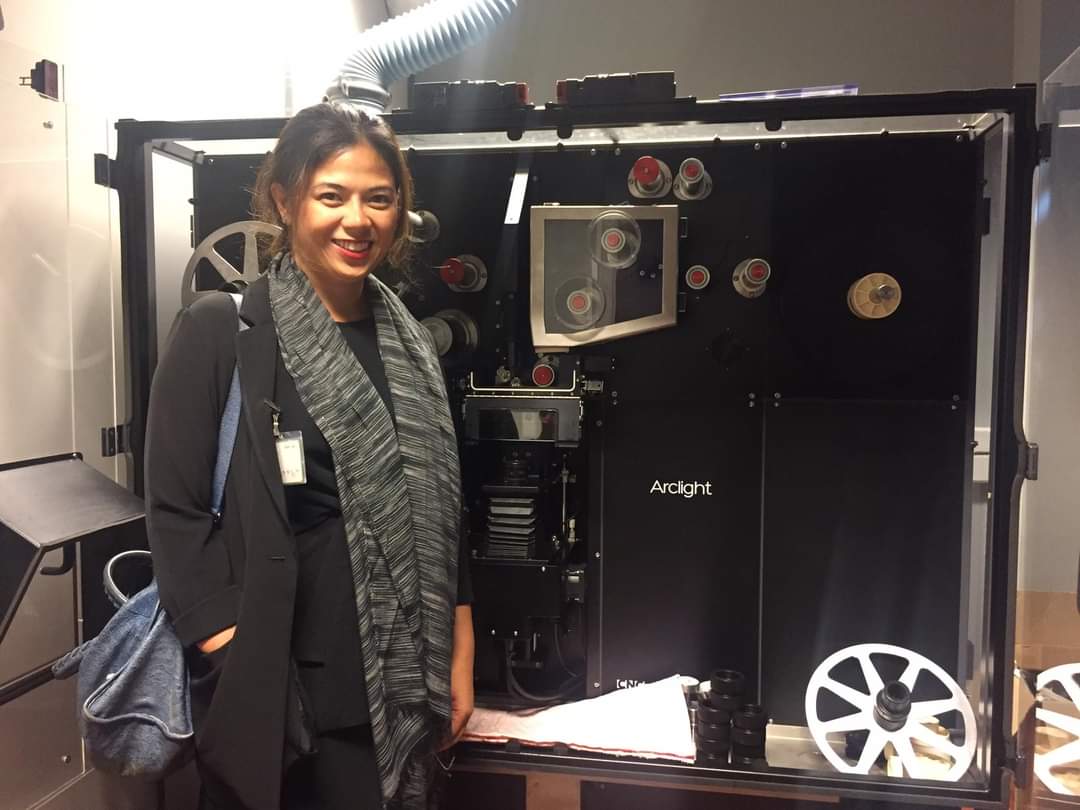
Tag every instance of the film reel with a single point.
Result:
(452, 330)
(614, 239)
(889, 718)
(1068, 754)
(874, 296)
(207, 249)
(579, 303)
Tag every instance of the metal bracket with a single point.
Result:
(1031, 462)
(116, 439)
(1044, 141)
(66, 564)
(518, 188)
(1016, 758)
(44, 78)
(104, 167)
(1009, 779)
(987, 206)
(179, 152)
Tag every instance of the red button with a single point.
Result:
(543, 375)
(453, 271)
(578, 302)
(759, 272)
(691, 169)
(646, 170)
(613, 239)
(697, 277)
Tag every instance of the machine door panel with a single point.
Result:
(680, 541)
(863, 511)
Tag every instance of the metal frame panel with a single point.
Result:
(544, 340)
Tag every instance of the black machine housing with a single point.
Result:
(762, 483)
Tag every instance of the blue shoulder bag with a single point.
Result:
(134, 707)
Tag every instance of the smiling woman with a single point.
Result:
(327, 613)
(338, 186)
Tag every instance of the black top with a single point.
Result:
(312, 503)
(324, 643)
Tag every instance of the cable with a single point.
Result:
(556, 627)
(543, 700)
(519, 691)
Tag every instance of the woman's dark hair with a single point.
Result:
(313, 136)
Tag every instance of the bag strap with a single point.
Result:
(230, 420)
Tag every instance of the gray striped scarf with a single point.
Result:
(400, 494)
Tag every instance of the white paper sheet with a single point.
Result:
(648, 721)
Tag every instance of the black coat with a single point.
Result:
(243, 571)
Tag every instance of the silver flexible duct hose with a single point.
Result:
(411, 42)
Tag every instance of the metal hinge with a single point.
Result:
(987, 207)
(44, 78)
(1044, 141)
(114, 440)
(1031, 462)
(103, 170)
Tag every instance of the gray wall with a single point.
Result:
(717, 46)
(1060, 33)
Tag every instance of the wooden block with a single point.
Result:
(549, 791)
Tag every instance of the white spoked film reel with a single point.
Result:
(207, 250)
(940, 759)
(1068, 754)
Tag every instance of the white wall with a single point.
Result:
(61, 331)
(717, 46)
(199, 59)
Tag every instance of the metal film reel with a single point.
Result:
(207, 249)
(614, 240)
(900, 729)
(1069, 753)
(579, 303)
(452, 329)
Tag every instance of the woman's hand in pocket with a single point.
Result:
(217, 641)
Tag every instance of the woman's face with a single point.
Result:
(344, 222)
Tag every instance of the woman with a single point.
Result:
(326, 613)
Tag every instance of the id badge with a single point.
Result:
(290, 455)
